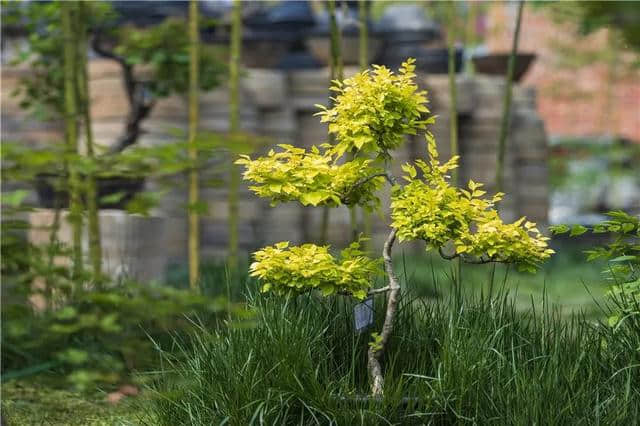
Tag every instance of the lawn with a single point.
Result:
(43, 400)
(566, 280)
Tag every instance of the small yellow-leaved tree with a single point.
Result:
(372, 113)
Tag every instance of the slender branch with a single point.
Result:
(447, 256)
(385, 175)
(480, 260)
(379, 290)
(391, 178)
(371, 292)
(473, 260)
(376, 353)
(360, 183)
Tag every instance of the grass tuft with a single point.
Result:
(466, 358)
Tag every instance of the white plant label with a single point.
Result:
(363, 314)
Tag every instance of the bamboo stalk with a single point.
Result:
(363, 40)
(194, 220)
(363, 18)
(52, 250)
(453, 106)
(335, 65)
(68, 11)
(453, 95)
(234, 124)
(95, 247)
(471, 34)
(506, 110)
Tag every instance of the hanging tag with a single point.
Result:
(363, 314)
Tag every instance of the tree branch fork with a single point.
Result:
(376, 352)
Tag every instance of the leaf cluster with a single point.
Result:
(372, 113)
(313, 178)
(50, 167)
(622, 253)
(164, 49)
(430, 209)
(286, 270)
(592, 16)
(93, 335)
(41, 90)
(374, 110)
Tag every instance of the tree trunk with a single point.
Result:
(194, 220)
(375, 353)
(68, 12)
(234, 124)
(95, 247)
(506, 110)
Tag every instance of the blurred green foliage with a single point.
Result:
(41, 91)
(92, 332)
(164, 48)
(623, 269)
(617, 155)
(590, 16)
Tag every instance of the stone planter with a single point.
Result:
(49, 195)
(430, 60)
(497, 64)
(133, 246)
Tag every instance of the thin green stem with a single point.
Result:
(234, 121)
(363, 18)
(453, 106)
(68, 12)
(506, 110)
(336, 74)
(95, 246)
(194, 219)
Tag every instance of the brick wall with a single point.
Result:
(586, 101)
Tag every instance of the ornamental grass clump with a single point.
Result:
(371, 115)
